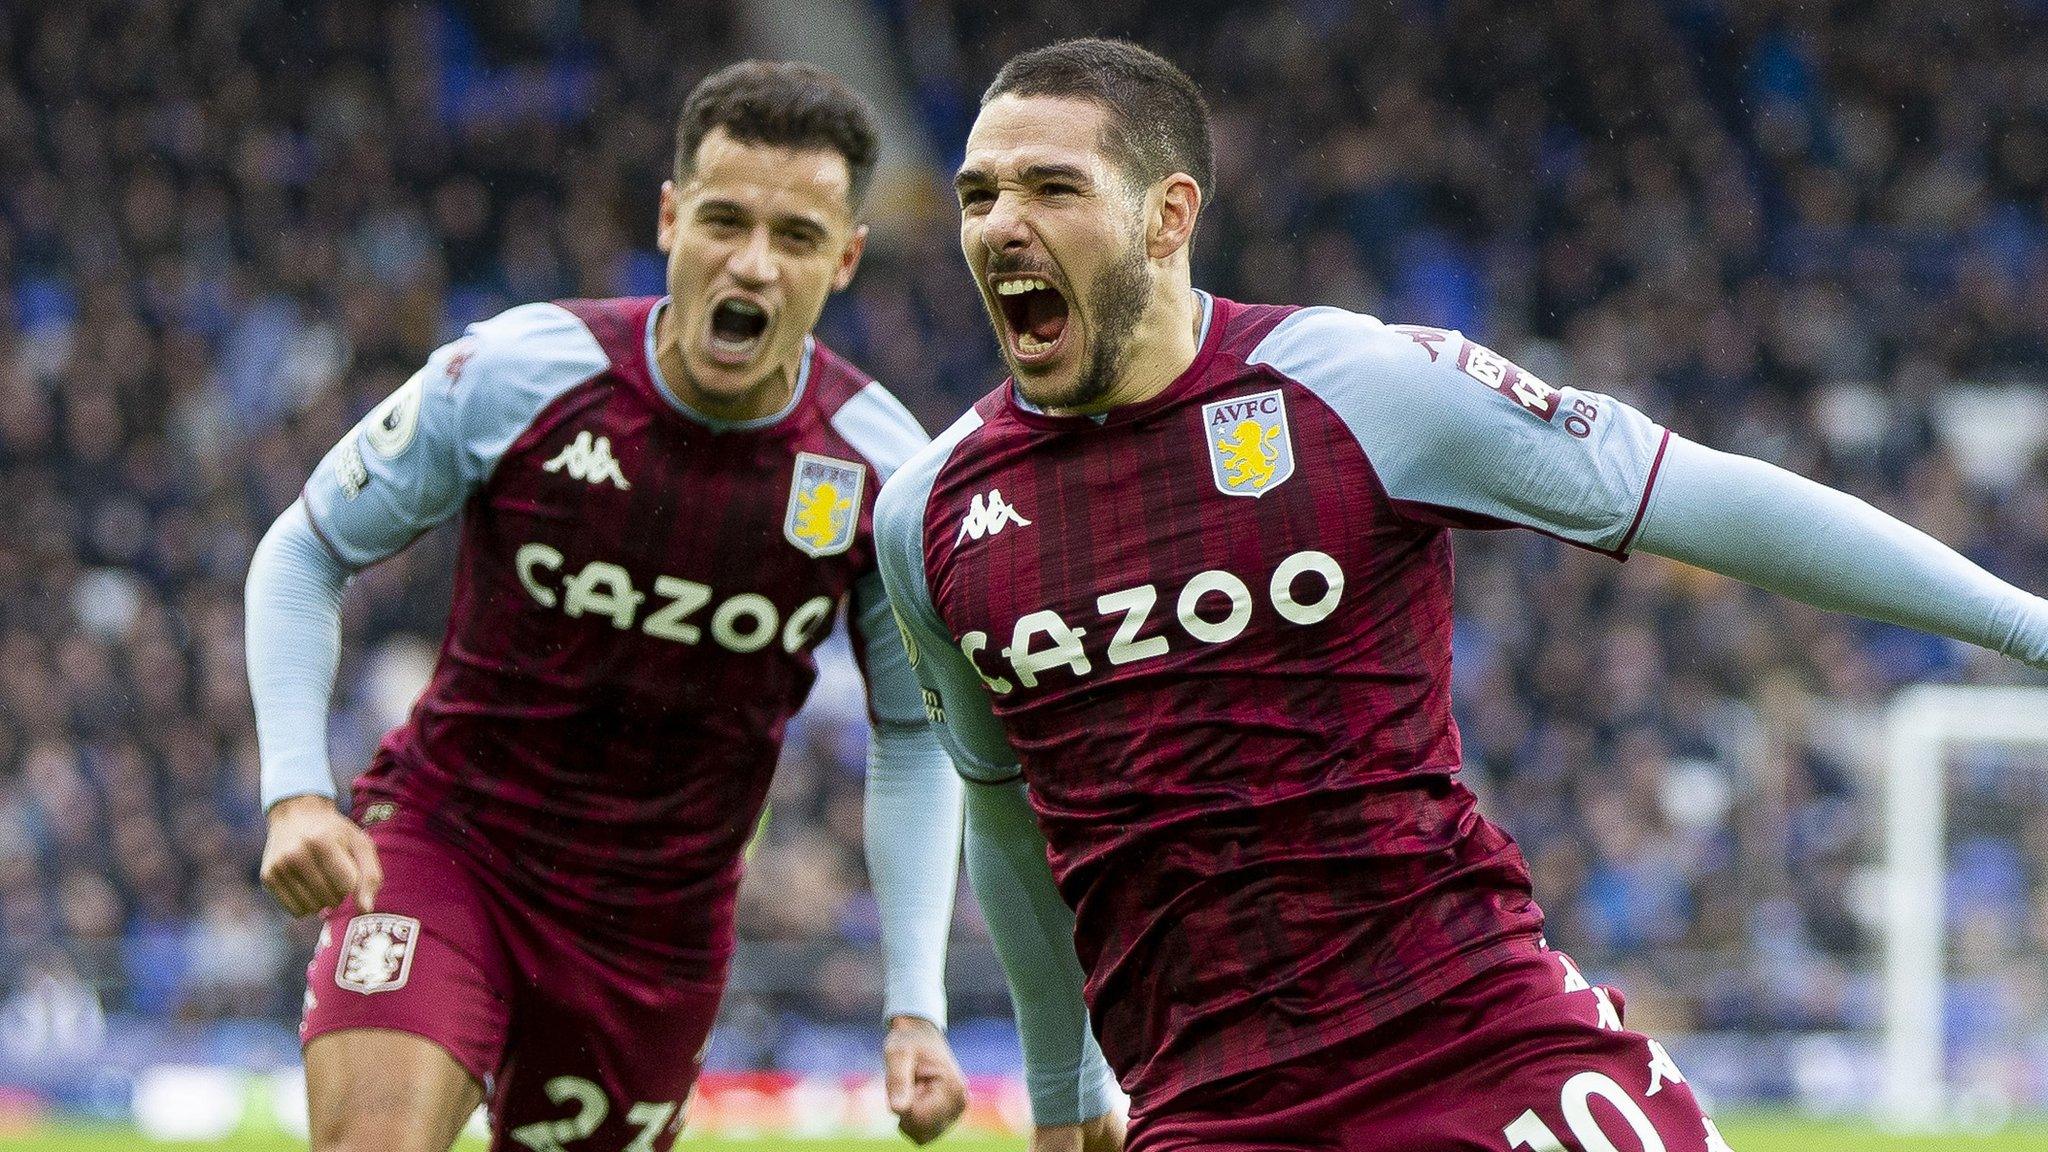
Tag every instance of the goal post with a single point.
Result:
(1923, 725)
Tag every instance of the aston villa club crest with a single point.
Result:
(824, 504)
(376, 955)
(1250, 452)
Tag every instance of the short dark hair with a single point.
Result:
(785, 104)
(1158, 123)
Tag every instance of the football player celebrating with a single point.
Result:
(1187, 576)
(664, 504)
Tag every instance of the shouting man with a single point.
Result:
(1187, 576)
(664, 503)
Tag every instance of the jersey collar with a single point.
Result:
(661, 388)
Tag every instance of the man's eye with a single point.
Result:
(975, 196)
(1059, 189)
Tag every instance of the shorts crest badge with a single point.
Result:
(1250, 450)
(376, 955)
(824, 504)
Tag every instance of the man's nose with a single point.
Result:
(1005, 228)
(751, 263)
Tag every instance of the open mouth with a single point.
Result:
(1034, 316)
(737, 328)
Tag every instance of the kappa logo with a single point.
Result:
(589, 459)
(824, 504)
(1250, 450)
(988, 515)
(376, 955)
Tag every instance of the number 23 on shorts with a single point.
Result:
(592, 1107)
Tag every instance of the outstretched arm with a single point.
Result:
(1459, 435)
(1782, 532)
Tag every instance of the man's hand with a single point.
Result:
(1105, 1133)
(314, 857)
(927, 1091)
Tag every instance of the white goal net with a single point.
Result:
(1927, 730)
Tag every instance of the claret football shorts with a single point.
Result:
(1529, 1057)
(569, 1043)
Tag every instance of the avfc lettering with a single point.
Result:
(746, 622)
(1213, 607)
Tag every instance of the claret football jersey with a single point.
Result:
(1212, 631)
(637, 598)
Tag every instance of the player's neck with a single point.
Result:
(771, 395)
(1164, 343)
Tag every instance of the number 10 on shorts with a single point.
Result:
(1530, 1132)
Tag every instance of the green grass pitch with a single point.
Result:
(1745, 1133)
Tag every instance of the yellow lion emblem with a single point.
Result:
(1249, 454)
(817, 515)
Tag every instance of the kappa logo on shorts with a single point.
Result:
(376, 955)
(1250, 450)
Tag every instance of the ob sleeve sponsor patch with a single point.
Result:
(1460, 434)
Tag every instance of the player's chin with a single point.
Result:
(728, 378)
(1048, 387)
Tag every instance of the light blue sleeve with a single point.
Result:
(292, 605)
(1765, 526)
(409, 465)
(1033, 933)
(412, 462)
(955, 699)
(1032, 928)
(912, 822)
(1451, 426)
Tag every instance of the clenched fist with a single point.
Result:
(927, 1091)
(314, 857)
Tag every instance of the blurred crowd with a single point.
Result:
(229, 228)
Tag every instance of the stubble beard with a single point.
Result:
(1121, 291)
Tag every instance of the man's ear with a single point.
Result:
(849, 259)
(665, 220)
(1171, 208)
